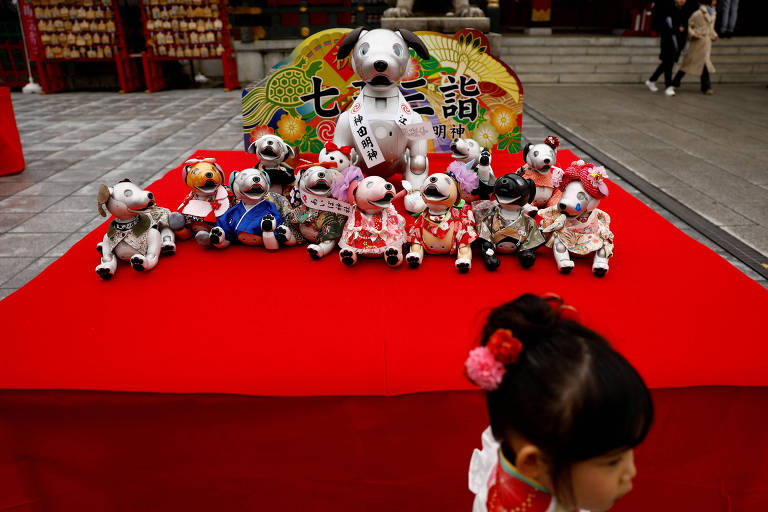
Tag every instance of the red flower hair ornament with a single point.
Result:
(486, 366)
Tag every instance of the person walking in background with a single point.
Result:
(670, 20)
(727, 14)
(701, 32)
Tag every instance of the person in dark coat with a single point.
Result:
(670, 20)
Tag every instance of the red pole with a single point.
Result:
(10, 143)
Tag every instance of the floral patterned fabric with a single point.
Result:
(542, 180)
(494, 228)
(328, 225)
(458, 219)
(581, 235)
(373, 234)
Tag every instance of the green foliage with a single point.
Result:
(309, 142)
(471, 125)
(510, 140)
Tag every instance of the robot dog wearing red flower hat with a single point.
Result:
(575, 225)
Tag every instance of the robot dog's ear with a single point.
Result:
(232, 178)
(185, 171)
(531, 190)
(102, 199)
(415, 42)
(290, 153)
(348, 43)
(526, 149)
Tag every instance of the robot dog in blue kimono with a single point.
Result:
(253, 220)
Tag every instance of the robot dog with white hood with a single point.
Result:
(372, 125)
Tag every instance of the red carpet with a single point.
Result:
(289, 329)
(244, 320)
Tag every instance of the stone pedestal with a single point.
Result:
(444, 24)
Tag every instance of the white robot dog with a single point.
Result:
(372, 124)
(133, 235)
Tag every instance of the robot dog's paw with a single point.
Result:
(347, 257)
(137, 262)
(104, 273)
(268, 223)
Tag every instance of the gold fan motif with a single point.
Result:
(468, 60)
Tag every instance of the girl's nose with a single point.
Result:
(631, 469)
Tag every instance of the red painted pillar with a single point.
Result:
(10, 144)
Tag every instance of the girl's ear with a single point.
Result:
(532, 464)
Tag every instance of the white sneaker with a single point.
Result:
(651, 86)
(669, 91)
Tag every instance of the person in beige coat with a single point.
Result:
(701, 32)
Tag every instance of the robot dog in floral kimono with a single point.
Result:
(320, 228)
(374, 227)
(447, 225)
(506, 227)
(575, 225)
(539, 165)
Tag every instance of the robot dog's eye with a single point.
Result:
(128, 193)
(369, 184)
(397, 49)
(364, 48)
(581, 196)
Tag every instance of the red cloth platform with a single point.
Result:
(343, 343)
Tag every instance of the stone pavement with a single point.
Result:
(708, 153)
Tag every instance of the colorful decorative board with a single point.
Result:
(462, 89)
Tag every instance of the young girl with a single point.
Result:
(566, 410)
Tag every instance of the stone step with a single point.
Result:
(553, 63)
(631, 78)
(756, 51)
(522, 40)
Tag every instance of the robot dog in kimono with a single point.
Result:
(447, 225)
(575, 225)
(208, 199)
(321, 229)
(505, 226)
(253, 220)
(133, 235)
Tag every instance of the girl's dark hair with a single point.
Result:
(569, 393)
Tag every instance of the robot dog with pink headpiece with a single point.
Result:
(374, 227)
(575, 225)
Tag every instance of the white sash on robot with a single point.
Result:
(359, 121)
(327, 204)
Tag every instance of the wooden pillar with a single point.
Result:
(493, 11)
(540, 23)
